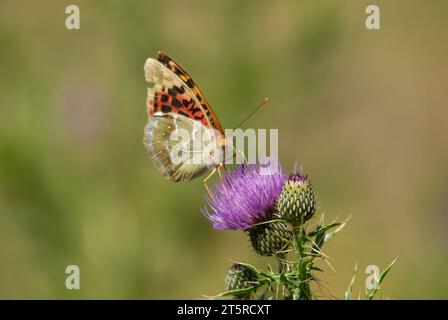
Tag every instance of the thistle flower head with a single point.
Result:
(240, 277)
(246, 196)
(269, 239)
(297, 202)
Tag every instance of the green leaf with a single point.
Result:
(386, 271)
(286, 280)
(383, 274)
(261, 294)
(319, 241)
(239, 292)
(328, 236)
(348, 293)
(321, 221)
(249, 266)
(307, 260)
(323, 229)
(316, 269)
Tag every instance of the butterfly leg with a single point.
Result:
(208, 178)
(236, 151)
(221, 165)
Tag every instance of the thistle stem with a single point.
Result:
(283, 267)
(304, 275)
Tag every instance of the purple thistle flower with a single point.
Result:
(247, 196)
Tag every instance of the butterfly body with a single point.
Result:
(176, 107)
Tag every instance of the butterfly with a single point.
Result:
(176, 107)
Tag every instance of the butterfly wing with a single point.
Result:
(163, 149)
(193, 88)
(173, 110)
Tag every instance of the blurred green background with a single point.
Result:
(364, 111)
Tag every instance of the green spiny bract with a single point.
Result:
(240, 277)
(296, 203)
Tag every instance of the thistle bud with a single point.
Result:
(297, 203)
(239, 277)
(270, 238)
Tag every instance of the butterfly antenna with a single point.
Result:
(265, 100)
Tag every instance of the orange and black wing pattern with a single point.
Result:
(185, 77)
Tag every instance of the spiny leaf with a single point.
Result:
(321, 220)
(249, 266)
(238, 292)
(286, 280)
(307, 260)
(328, 236)
(348, 293)
(385, 271)
(316, 269)
(382, 276)
(261, 294)
(322, 229)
